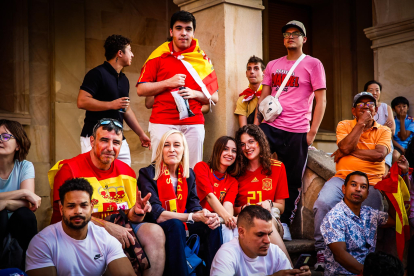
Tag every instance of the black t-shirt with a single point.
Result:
(104, 84)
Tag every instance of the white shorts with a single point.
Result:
(124, 153)
(194, 134)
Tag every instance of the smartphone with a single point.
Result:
(303, 260)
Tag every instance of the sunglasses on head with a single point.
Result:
(6, 137)
(107, 122)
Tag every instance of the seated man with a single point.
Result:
(349, 230)
(76, 247)
(404, 127)
(115, 188)
(252, 253)
(362, 146)
(247, 102)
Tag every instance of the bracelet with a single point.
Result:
(404, 174)
(271, 203)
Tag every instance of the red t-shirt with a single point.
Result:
(224, 190)
(119, 191)
(255, 187)
(164, 110)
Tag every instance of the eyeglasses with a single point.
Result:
(107, 122)
(368, 104)
(294, 34)
(6, 137)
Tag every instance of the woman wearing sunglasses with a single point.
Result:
(216, 186)
(262, 180)
(17, 198)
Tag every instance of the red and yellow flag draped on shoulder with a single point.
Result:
(397, 192)
(196, 57)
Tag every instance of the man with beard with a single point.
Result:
(76, 247)
(115, 188)
(350, 229)
(251, 253)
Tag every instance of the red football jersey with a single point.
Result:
(255, 187)
(164, 110)
(224, 190)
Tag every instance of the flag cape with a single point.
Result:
(397, 192)
(197, 59)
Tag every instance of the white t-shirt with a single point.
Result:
(53, 247)
(231, 260)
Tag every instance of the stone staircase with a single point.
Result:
(320, 167)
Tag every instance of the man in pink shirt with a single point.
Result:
(290, 134)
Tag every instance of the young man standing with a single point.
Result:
(290, 134)
(247, 102)
(105, 94)
(350, 229)
(251, 253)
(179, 64)
(74, 246)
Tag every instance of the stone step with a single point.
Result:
(296, 247)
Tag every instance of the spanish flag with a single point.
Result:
(197, 63)
(397, 192)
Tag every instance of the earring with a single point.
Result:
(116, 60)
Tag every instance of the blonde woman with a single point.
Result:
(175, 205)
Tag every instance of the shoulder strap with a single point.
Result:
(288, 76)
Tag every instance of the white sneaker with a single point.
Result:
(320, 263)
(286, 235)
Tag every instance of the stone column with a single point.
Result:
(392, 37)
(229, 31)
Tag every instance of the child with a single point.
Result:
(404, 127)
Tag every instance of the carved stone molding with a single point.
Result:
(198, 5)
(389, 34)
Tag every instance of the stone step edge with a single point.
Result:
(300, 246)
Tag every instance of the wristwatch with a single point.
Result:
(190, 218)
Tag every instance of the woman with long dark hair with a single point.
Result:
(262, 180)
(216, 186)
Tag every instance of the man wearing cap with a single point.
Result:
(362, 146)
(290, 134)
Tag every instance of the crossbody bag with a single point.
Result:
(270, 107)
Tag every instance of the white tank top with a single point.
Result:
(382, 114)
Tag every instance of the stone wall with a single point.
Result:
(392, 36)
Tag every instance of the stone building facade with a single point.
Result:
(48, 47)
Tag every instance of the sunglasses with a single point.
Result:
(6, 137)
(368, 104)
(107, 122)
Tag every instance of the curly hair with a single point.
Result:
(113, 44)
(218, 148)
(75, 184)
(17, 130)
(265, 155)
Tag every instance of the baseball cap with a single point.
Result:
(296, 24)
(363, 94)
